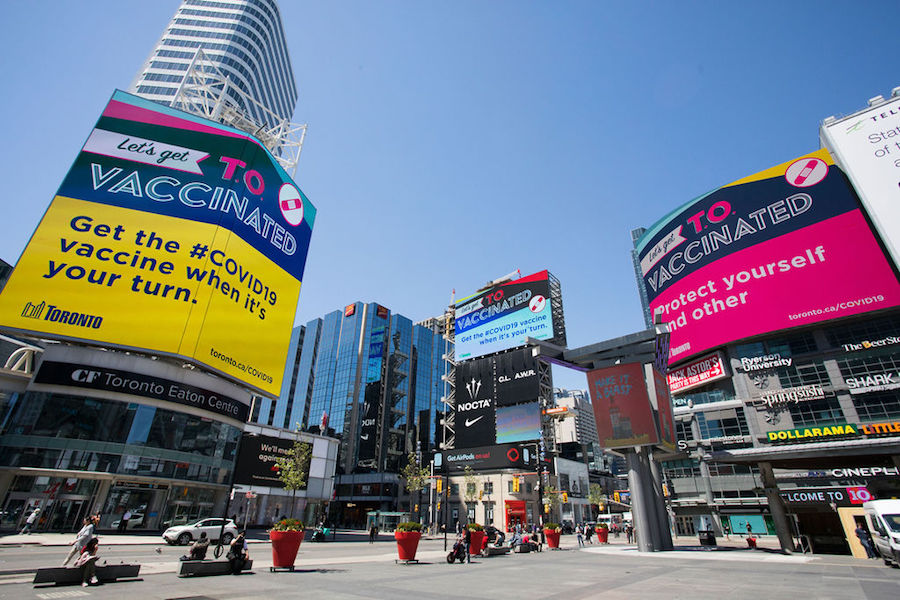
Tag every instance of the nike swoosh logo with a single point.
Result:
(364, 437)
(473, 421)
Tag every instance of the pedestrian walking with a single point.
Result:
(84, 535)
(30, 521)
(373, 531)
(588, 532)
(468, 541)
(629, 532)
(866, 540)
(749, 530)
(579, 534)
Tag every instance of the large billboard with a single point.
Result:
(475, 418)
(256, 460)
(172, 234)
(503, 316)
(782, 248)
(486, 387)
(502, 456)
(866, 146)
(622, 407)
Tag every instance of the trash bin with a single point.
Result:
(707, 537)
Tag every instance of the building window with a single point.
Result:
(817, 412)
(680, 469)
(798, 375)
(877, 406)
(488, 487)
(707, 396)
(863, 331)
(799, 343)
(722, 423)
(454, 489)
(868, 365)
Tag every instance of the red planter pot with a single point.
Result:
(285, 545)
(552, 538)
(407, 543)
(477, 543)
(602, 535)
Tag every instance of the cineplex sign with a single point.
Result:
(812, 434)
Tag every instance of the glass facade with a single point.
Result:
(244, 38)
(376, 375)
(59, 431)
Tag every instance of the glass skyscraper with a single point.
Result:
(373, 378)
(244, 39)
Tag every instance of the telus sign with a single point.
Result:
(782, 248)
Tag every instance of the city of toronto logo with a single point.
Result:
(33, 311)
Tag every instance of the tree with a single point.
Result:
(293, 469)
(471, 481)
(553, 497)
(595, 495)
(415, 476)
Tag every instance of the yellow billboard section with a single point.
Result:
(138, 280)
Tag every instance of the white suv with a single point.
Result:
(185, 534)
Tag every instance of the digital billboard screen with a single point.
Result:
(504, 316)
(865, 146)
(475, 418)
(783, 248)
(256, 460)
(518, 423)
(622, 407)
(517, 377)
(171, 234)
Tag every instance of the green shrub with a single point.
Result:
(474, 527)
(552, 526)
(409, 526)
(602, 526)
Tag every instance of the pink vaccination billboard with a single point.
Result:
(783, 248)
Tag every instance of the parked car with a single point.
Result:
(136, 520)
(185, 534)
(884, 524)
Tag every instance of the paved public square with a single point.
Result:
(352, 568)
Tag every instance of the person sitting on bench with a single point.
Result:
(87, 563)
(238, 554)
(198, 549)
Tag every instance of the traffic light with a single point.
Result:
(546, 508)
(565, 497)
(481, 494)
(439, 505)
(515, 485)
(601, 507)
(616, 497)
(417, 508)
(440, 485)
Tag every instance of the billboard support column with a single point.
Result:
(776, 507)
(638, 506)
(662, 515)
(648, 501)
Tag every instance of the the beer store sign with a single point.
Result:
(777, 398)
(866, 344)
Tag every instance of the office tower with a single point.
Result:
(228, 61)
(373, 379)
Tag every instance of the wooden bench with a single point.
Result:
(208, 567)
(72, 575)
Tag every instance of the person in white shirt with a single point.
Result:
(84, 535)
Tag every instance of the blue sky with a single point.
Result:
(450, 143)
